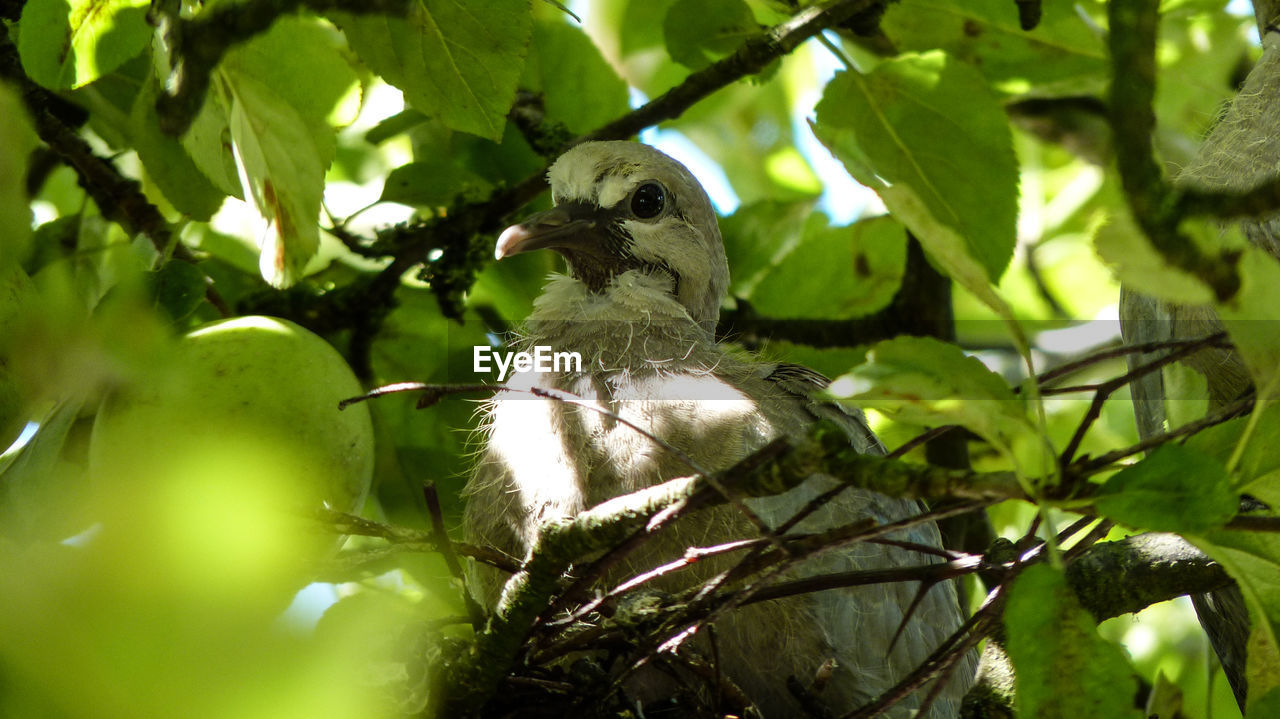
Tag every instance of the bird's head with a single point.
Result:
(623, 206)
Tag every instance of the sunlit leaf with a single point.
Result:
(283, 171)
(456, 61)
(68, 43)
(305, 62)
(950, 177)
(1064, 669)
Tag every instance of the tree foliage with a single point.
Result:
(348, 165)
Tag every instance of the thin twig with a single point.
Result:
(1105, 389)
(474, 610)
(1092, 465)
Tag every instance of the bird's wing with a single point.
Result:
(803, 382)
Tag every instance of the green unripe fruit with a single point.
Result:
(224, 455)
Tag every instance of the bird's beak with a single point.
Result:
(569, 226)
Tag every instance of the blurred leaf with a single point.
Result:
(458, 62)
(1175, 489)
(1186, 396)
(68, 43)
(1265, 706)
(1064, 669)
(34, 490)
(18, 139)
(179, 288)
(700, 32)
(835, 272)
(1121, 244)
(1252, 318)
(950, 177)
(388, 128)
(579, 88)
(433, 184)
(1061, 56)
(19, 304)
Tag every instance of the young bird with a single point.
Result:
(647, 273)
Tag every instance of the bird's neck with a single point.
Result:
(633, 322)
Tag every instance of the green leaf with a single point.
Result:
(35, 482)
(18, 139)
(1122, 245)
(1063, 55)
(398, 123)
(1257, 472)
(167, 160)
(419, 344)
(836, 272)
(1253, 560)
(178, 288)
(456, 61)
(1266, 706)
(758, 237)
(68, 43)
(302, 60)
(1064, 669)
(579, 88)
(1186, 395)
(1252, 318)
(283, 88)
(700, 32)
(284, 173)
(921, 380)
(1175, 489)
(433, 183)
(208, 142)
(951, 177)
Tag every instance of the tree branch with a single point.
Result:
(1155, 206)
(1114, 578)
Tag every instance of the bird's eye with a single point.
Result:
(648, 200)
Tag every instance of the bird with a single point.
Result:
(646, 276)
